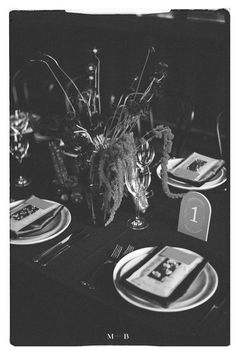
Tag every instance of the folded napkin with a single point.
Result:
(196, 169)
(32, 215)
(164, 275)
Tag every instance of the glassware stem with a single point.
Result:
(137, 208)
(137, 222)
(22, 181)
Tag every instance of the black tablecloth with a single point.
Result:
(50, 307)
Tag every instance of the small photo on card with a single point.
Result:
(196, 169)
(164, 275)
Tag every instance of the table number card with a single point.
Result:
(195, 215)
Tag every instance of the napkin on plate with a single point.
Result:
(164, 275)
(32, 215)
(196, 169)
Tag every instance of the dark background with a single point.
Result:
(194, 44)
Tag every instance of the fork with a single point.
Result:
(111, 259)
(90, 283)
(128, 250)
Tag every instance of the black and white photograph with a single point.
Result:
(119, 177)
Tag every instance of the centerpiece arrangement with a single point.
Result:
(104, 149)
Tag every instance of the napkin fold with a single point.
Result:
(32, 215)
(179, 291)
(196, 169)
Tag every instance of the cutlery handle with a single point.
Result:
(89, 283)
(37, 258)
(213, 309)
(52, 256)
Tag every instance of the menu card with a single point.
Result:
(196, 169)
(28, 212)
(164, 275)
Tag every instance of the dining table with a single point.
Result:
(51, 306)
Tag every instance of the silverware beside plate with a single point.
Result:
(113, 258)
(47, 259)
(51, 253)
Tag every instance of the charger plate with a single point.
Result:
(203, 287)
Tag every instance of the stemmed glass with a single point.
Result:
(137, 182)
(145, 156)
(19, 146)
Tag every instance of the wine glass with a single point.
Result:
(137, 181)
(19, 146)
(145, 156)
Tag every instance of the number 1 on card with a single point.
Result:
(195, 215)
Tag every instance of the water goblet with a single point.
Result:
(137, 181)
(19, 146)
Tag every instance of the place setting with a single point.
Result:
(37, 220)
(196, 172)
(161, 279)
(152, 279)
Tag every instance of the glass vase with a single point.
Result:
(95, 202)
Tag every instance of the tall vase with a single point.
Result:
(95, 195)
(95, 202)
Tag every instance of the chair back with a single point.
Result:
(219, 133)
(222, 130)
(177, 112)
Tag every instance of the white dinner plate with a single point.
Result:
(53, 229)
(203, 287)
(216, 181)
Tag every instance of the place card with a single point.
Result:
(195, 215)
(30, 211)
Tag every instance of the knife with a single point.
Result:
(52, 255)
(70, 239)
(49, 257)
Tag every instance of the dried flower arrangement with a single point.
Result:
(110, 142)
